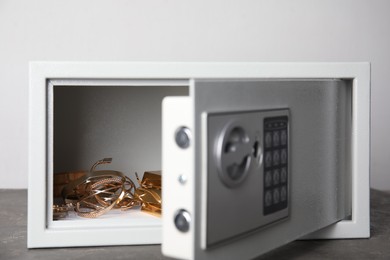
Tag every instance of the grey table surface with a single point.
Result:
(13, 238)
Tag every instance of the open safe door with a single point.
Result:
(250, 165)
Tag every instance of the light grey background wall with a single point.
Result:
(177, 30)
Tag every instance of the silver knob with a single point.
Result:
(182, 137)
(182, 220)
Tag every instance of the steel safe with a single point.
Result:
(253, 155)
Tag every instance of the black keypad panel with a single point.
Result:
(275, 164)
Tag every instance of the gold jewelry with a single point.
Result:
(60, 212)
(129, 200)
(101, 198)
(77, 189)
(149, 192)
(94, 193)
(97, 192)
(102, 161)
(150, 180)
(64, 178)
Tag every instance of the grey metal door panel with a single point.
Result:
(319, 121)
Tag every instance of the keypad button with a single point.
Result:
(268, 159)
(268, 178)
(268, 199)
(276, 138)
(276, 158)
(276, 177)
(276, 196)
(268, 140)
(283, 175)
(283, 193)
(283, 156)
(283, 137)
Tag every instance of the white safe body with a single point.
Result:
(83, 111)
